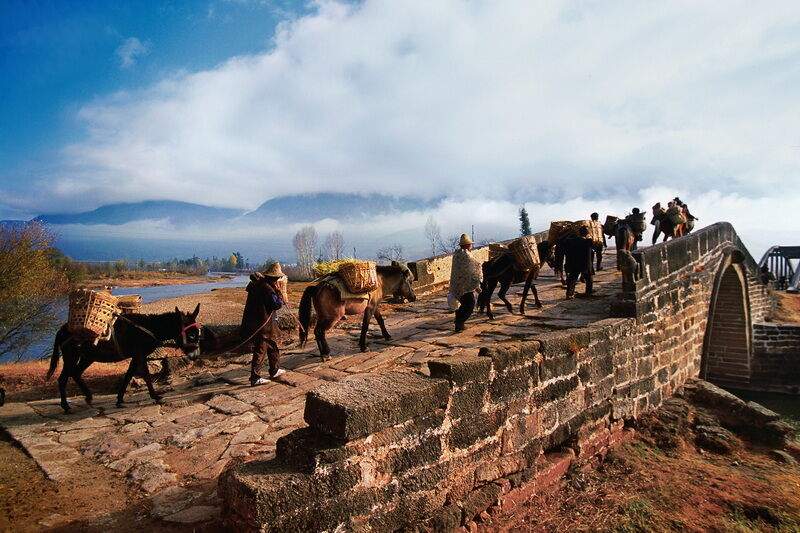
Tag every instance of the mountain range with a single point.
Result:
(291, 209)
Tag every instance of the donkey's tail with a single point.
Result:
(305, 312)
(61, 336)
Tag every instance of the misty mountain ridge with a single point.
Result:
(290, 209)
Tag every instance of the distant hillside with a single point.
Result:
(315, 207)
(178, 213)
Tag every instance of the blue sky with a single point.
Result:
(56, 56)
(565, 105)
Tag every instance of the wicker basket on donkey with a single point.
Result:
(90, 312)
(595, 229)
(610, 225)
(557, 229)
(359, 276)
(524, 252)
(129, 303)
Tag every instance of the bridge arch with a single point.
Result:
(727, 344)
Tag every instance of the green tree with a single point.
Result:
(30, 286)
(524, 222)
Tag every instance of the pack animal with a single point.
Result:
(501, 270)
(133, 336)
(331, 308)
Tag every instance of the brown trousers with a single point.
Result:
(264, 347)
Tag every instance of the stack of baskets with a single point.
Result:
(91, 313)
(359, 276)
(610, 225)
(496, 250)
(557, 230)
(128, 304)
(595, 229)
(524, 252)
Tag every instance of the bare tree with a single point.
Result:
(449, 245)
(334, 246)
(434, 234)
(305, 243)
(391, 253)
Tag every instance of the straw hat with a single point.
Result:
(274, 271)
(465, 240)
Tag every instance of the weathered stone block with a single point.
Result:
(511, 384)
(479, 500)
(507, 357)
(472, 429)
(363, 404)
(557, 389)
(468, 400)
(461, 370)
(557, 366)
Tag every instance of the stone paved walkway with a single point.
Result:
(175, 451)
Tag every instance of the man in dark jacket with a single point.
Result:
(578, 260)
(260, 322)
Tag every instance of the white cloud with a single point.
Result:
(130, 50)
(508, 101)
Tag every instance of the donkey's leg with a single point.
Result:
(382, 324)
(141, 364)
(78, 377)
(323, 325)
(490, 287)
(362, 342)
(67, 369)
(126, 379)
(504, 285)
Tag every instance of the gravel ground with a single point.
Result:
(219, 306)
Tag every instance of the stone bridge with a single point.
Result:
(427, 430)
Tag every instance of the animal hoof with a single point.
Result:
(363, 349)
(120, 404)
(159, 400)
(387, 338)
(539, 305)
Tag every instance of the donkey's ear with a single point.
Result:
(196, 311)
(177, 310)
(395, 263)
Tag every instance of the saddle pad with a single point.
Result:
(338, 283)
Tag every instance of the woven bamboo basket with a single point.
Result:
(360, 276)
(90, 312)
(595, 229)
(283, 285)
(675, 214)
(130, 303)
(525, 253)
(557, 230)
(496, 250)
(610, 225)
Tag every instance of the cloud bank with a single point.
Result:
(513, 101)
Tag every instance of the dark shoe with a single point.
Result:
(460, 327)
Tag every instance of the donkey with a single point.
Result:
(135, 336)
(501, 270)
(331, 308)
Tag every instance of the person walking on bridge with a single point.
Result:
(260, 322)
(578, 254)
(466, 276)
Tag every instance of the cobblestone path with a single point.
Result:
(211, 416)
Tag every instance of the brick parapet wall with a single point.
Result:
(776, 357)
(393, 450)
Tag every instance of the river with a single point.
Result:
(149, 294)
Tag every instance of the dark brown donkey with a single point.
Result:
(135, 336)
(330, 307)
(501, 270)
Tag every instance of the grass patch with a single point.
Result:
(637, 516)
(759, 518)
